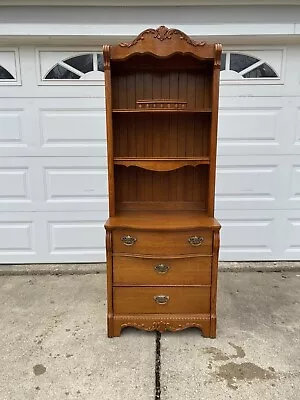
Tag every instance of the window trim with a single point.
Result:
(66, 82)
(257, 81)
(17, 80)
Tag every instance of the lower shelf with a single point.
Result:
(163, 323)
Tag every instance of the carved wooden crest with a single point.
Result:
(162, 33)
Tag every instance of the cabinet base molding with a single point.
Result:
(162, 323)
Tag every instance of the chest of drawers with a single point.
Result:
(162, 279)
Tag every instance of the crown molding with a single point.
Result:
(140, 3)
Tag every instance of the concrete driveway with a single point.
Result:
(53, 343)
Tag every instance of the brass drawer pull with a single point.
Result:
(161, 268)
(196, 240)
(161, 299)
(128, 240)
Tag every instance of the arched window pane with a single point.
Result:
(100, 62)
(4, 74)
(263, 71)
(238, 62)
(223, 59)
(60, 72)
(84, 67)
(83, 63)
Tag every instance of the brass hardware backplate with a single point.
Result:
(196, 240)
(161, 299)
(161, 268)
(128, 240)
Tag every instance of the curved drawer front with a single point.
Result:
(162, 243)
(162, 299)
(155, 271)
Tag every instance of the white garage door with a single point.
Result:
(258, 181)
(53, 178)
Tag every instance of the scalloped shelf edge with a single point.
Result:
(161, 165)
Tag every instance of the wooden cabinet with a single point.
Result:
(162, 239)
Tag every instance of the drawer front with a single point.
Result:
(161, 300)
(163, 243)
(155, 271)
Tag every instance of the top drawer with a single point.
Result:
(162, 243)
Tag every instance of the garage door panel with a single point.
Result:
(292, 236)
(254, 126)
(14, 184)
(297, 130)
(53, 184)
(45, 127)
(252, 89)
(20, 237)
(237, 125)
(39, 237)
(76, 186)
(69, 128)
(14, 123)
(70, 237)
(248, 235)
(75, 236)
(19, 184)
(293, 179)
(249, 182)
(16, 236)
(11, 123)
(260, 234)
(75, 183)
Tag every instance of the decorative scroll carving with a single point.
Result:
(163, 33)
(106, 58)
(108, 242)
(218, 50)
(163, 323)
(162, 326)
(216, 243)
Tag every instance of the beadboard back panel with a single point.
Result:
(180, 189)
(161, 135)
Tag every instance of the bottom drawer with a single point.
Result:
(163, 299)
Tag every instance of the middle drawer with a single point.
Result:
(154, 271)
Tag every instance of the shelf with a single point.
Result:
(161, 164)
(162, 220)
(163, 110)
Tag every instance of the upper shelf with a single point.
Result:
(160, 163)
(163, 110)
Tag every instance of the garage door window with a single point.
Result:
(239, 66)
(9, 67)
(79, 67)
(4, 74)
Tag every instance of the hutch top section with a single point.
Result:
(163, 46)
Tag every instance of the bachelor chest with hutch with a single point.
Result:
(162, 240)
